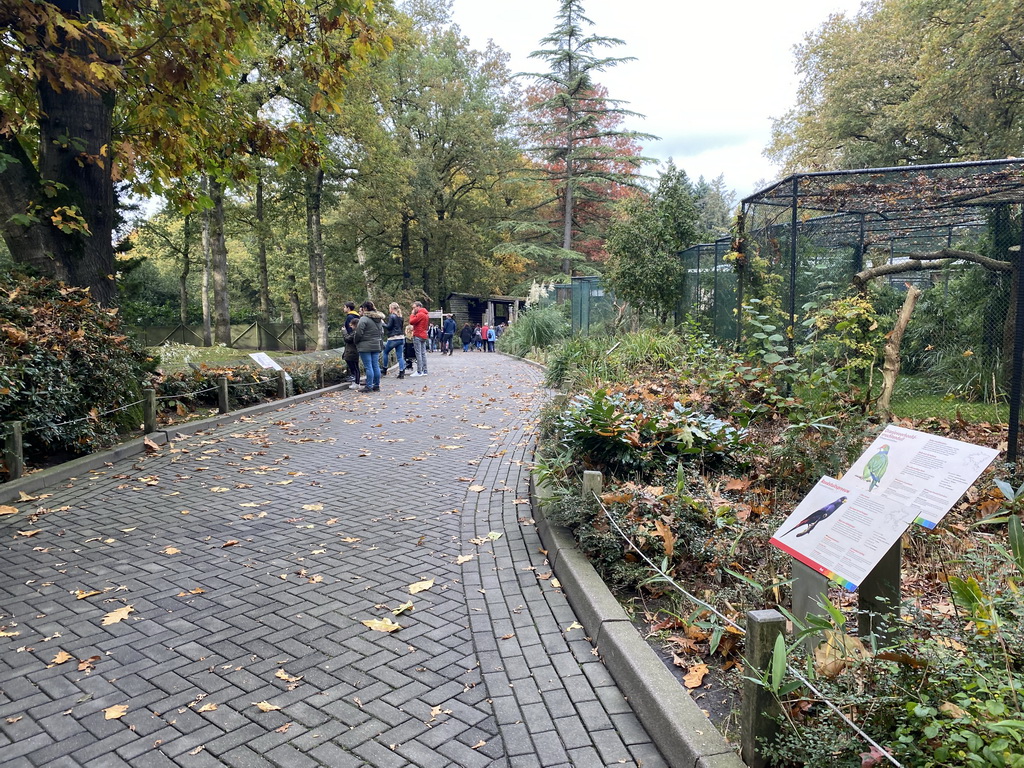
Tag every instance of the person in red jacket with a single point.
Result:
(419, 318)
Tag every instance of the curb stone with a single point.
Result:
(683, 734)
(71, 470)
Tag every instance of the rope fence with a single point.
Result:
(12, 433)
(792, 670)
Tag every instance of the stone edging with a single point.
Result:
(76, 467)
(685, 736)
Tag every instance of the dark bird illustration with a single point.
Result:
(816, 517)
(874, 470)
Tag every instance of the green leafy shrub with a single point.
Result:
(64, 361)
(537, 327)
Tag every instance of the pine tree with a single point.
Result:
(584, 149)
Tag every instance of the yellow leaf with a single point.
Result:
(115, 712)
(556, 584)
(382, 625)
(61, 657)
(477, 488)
(219, 489)
(952, 709)
(208, 707)
(315, 579)
(667, 536)
(266, 706)
(8, 510)
(171, 551)
(22, 496)
(4, 633)
(351, 539)
(81, 594)
(420, 586)
(695, 677)
(403, 608)
(313, 507)
(119, 615)
(26, 534)
(837, 652)
(478, 744)
(463, 559)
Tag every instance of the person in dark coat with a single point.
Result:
(351, 355)
(369, 338)
(466, 337)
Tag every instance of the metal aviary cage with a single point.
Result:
(953, 229)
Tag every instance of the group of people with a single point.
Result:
(370, 338)
(480, 337)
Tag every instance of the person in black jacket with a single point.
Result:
(351, 355)
(466, 336)
(369, 335)
(394, 332)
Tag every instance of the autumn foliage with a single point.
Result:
(63, 361)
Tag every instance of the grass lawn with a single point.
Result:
(914, 400)
(176, 357)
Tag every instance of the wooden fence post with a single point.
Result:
(14, 454)
(149, 410)
(808, 588)
(223, 403)
(592, 484)
(759, 704)
(282, 384)
(878, 597)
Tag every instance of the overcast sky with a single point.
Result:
(708, 76)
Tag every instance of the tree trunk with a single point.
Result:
(891, 363)
(567, 213)
(315, 246)
(425, 277)
(261, 252)
(219, 267)
(405, 249)
(66, 231)
(186, 267)
(298, 327)
(207, 260)
(368, 279)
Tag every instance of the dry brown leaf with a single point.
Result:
(60, 658)
(477, 488)
(170, 551)
(737, 484)
(87, 665)
(81, 594)
(151, 447)
(229, 543)
(4, 633)
(350, 540)
(313, 507)
(666, 536)
(219, 489)
(403, 608)
(119, 615)
(478, 744)
(26, 534)
(115, 712)
(22, 496)
(420, 586)
(315, 579)
(282, 675)
(266, 706)
(463, 559)
(837, 652)
(555, 583)
(284, 728)
(6, 509)
(382, 625)
(695, 677)
(951, 709)
(209, 707)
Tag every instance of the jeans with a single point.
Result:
(490, 345)
(371, 364)
(465, 346)
(446, 342)
(399, 346)
(420, 345)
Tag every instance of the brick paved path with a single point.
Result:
(250, 555)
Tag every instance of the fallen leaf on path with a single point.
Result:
(282, 675)
(4, 633)
(420, 586)
(22, 496)
(574, 625)
(115, 712)
(313, 507)
(81, 594)
(171, 551)
(8, 510)
(478, 744)
(208, 707)
(477, 488)
(556, 584)
(351, 539)
(60, 658)
(151, 447)
(403, 608)
(284, 728)
(219, 489)
(266, 706)
(463, 559)
(119, 615)
(382, 625)
(88, 665)
(229, 543)
(26, 534)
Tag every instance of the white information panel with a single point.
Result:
(842, 528)
(265, 361)
(924, 473)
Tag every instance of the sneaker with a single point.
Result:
(366, 389)
(414, 373)
(376, 389)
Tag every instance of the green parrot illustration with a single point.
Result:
(874, 470)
